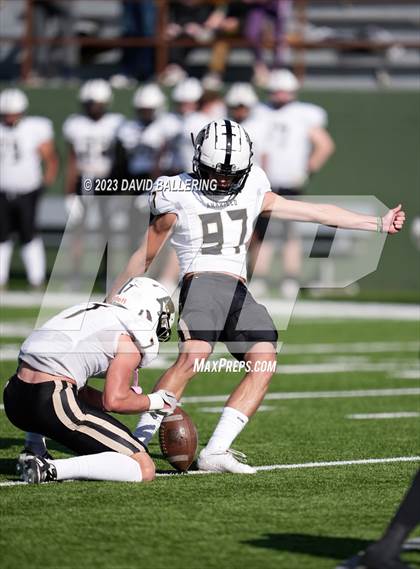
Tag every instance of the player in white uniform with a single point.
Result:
(186, 96)
(91, 137)
(299, 145)
(210, 228)
(28, 162)
(245, 109)
(49, 392)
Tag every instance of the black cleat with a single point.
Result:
(26, 454)
(37, 470)
(376, 558)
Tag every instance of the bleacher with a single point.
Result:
(342, 44)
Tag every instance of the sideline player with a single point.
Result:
(299, 146)
(91, 137)
(26, 149)
(49, 392)
(210, 232)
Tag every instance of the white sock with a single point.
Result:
(227, 429)
(35, 443)
(33, 257)
(147, 426)
(103, 466)
(6, 250)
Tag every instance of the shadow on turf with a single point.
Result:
(320, 546)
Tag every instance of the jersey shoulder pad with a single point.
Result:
(42, 126)
(71, 126)
(163, 197)
(314, 115)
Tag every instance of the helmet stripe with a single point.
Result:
(228, 142)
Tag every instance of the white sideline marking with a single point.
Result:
(277, 467)
(302, 309)
(220, 409)
(312, 395)
(317, 464)
(291, 395)
(397, 415)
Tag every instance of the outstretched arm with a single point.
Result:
(333, 215)
(156, 236)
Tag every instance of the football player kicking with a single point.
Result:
(210, 231)
(49, 392)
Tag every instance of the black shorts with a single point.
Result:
(18, 214)
(216, 307)
(54, 410)
(282, 229)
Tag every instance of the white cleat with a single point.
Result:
(225, 461)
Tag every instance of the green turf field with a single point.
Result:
(302, 518)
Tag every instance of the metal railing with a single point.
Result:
(28, 41)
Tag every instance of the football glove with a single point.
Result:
(162, 402)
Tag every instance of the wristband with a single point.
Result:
(156, 402)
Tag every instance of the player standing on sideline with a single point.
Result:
(299, 145)
(26, 149)
(245, 109)
(91, 137)
(49, 392)
(211, 228)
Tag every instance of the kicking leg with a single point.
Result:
(239, 408)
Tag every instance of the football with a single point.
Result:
(178, 439)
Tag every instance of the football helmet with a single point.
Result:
(13, 102)
(241, 94)
(223, 152)
(96, 91)
(188, 91)
(283, 80)
(148, 298)
(149, 97)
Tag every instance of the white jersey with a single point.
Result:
(81, 341)
(20, 161)
(258, 127)
(207, 237)
(289, 146)
(93, 142)
(143, 143)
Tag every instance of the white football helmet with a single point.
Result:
(13, 102)
(97, 91)
(241, 94)
(188, 91)
(282, 80)
(146, 297)
(223, 152)
(149, 97)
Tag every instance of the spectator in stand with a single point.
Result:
(138, 20)
(259, 13)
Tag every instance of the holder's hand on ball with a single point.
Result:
(163, 402)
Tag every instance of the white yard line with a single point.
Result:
(312, 395)
(220, 409)
(282, 466)
(396, 415)
(280, 308)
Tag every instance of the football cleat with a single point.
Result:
(376, 557)
(227, 461)
(37, 470)
(26, 454)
